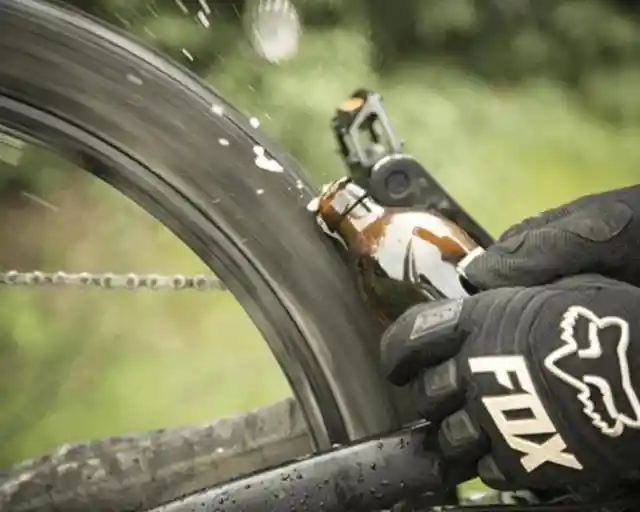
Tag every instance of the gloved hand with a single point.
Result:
(575, 431)
(598, 233)
(537, 386)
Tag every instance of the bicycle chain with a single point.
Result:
(111, 281)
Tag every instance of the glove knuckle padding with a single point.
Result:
(423, 336)
(429, 334)
(628, 195)
(598, 222)
(545, 217)
(439, 391)
(461, 436)
(589, 239)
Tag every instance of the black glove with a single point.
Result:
(534, 385)
(594, 234)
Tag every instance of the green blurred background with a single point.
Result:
(514, 105)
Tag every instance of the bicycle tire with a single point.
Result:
(154, 130)
(145, 470)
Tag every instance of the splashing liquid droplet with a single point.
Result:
(205, 7)
(265, 162)
(134, 79)
(187, 54)
(202, 18)
(182, 7)
(274, 29)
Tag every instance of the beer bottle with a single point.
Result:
(403, 256)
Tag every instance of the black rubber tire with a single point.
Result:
(152, 129)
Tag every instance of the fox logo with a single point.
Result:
(581, 330)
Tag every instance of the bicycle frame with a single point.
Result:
(374, 474)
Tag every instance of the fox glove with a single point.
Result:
(597, 234)
(536, 386)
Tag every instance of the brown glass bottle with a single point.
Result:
(403, 256)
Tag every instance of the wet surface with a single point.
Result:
(372, 475)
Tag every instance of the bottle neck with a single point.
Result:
(347, 208)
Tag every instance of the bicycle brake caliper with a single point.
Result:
(374, 155)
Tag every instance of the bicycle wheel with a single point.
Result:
(169, 142)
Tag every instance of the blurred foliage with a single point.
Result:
(593, 46)
(515, 105)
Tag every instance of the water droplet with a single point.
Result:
(202, 18)
(152, 9)
(187, 54)
(254, 122)
(223, 142)
(182, 7)
(314, 205)
(134, 79)
(122, 20)
(205, 6)
(275, 30)
(265, 162)
(40, 201)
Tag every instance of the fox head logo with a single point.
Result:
(600, 404)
